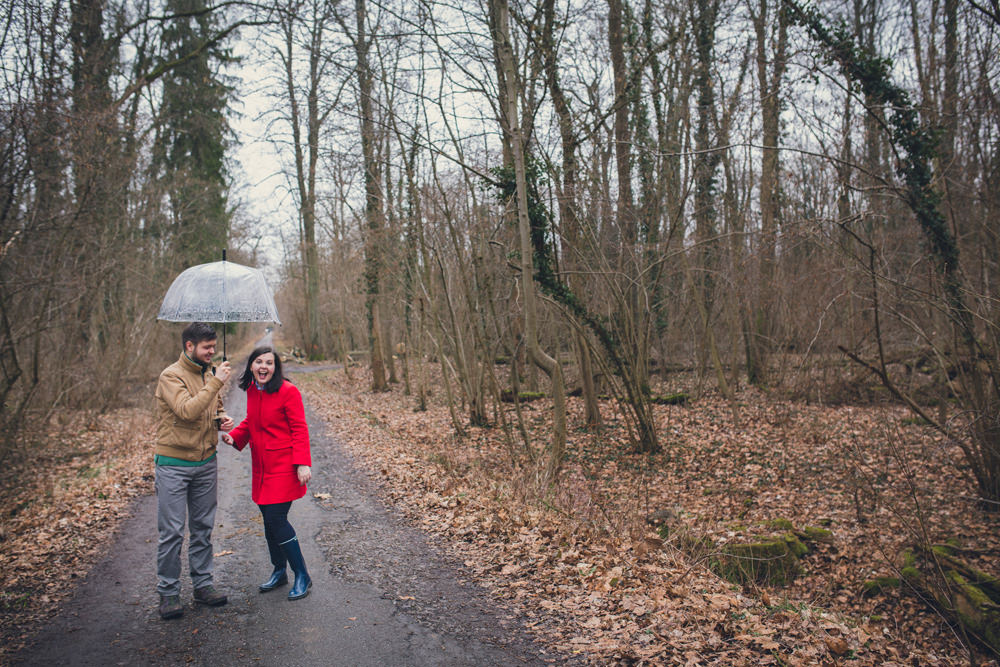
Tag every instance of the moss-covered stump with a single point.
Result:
(670, 399)
(507, 396)
(769, 554)
(964, 593)
(773, 561)
(806, 534)
(977, 612)
(947, 555)
(815, 534)
(879, 585)
(780, 524)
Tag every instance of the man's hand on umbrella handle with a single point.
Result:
(223, 370)
(305, 474)
(227, 423)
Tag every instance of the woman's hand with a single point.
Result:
(305, 474)
(226, 438)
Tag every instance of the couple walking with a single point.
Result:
(190, 417)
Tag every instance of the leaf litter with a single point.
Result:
(595, 579)
(581, 559)
(62, 494)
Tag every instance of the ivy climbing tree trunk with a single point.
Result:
(567, 204)
(191, 148)
(770, 72)
(632, 320)
(499, 19)
(706, 163)
(975, 363)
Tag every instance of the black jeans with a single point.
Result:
(276, 526)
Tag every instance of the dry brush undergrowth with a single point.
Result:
(597, 579)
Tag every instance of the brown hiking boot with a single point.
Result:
(208, 595)
(170, 607)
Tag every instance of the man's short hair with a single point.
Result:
(197, 332)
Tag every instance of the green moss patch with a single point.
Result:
(964, 593)
(670, 399)
(975, 610)
(768, 559)
(816, 534)
(507, 396)
(772, 562)
(879, 585)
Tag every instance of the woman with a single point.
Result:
(275, 427)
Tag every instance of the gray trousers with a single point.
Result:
(185, 492)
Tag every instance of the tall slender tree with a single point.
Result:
(305, 26)
(705, 15)
(509, 94)
(771, 65)
(374, 203)
(568, 217)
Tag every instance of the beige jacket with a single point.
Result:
(187, 402)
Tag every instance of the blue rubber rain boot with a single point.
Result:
(279, 577)
(303, 583)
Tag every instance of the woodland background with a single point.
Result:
(715, 199)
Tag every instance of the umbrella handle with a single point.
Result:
(224, 358)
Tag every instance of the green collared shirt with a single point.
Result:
(171, 461)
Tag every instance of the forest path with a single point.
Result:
(382, 594)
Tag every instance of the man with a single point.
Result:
(189, 415)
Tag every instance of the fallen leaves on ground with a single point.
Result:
(580, 560)
(593, 578)
(62, 494)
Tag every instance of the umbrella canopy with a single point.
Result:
(219, 292)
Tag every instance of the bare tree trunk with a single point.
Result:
(373, 200)
(949, 105)
(387, 346)
(844, 213)
(706, 164)
(631, 319)
(410, 276)
(421, 359)
(567, 208)
(770, 72)
(499, 25)
(449, 394)
(865, 29)
(307, 155)
(623, 138)
(308, 200)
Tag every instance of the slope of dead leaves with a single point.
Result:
(596, 580)
(62, 493)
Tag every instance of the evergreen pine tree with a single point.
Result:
(194, 133)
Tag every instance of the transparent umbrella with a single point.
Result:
(219, 292)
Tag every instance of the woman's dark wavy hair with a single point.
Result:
(274, 384)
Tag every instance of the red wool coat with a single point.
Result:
(275, 427)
